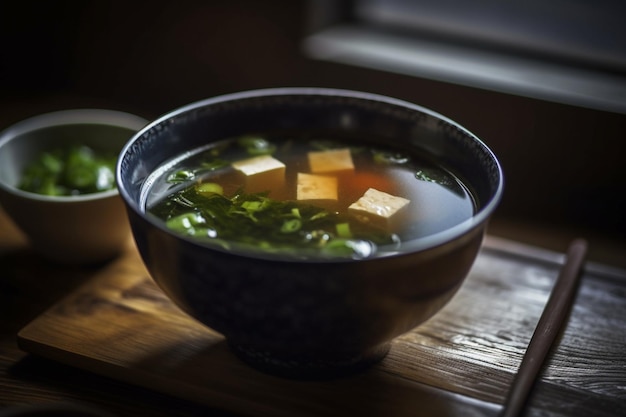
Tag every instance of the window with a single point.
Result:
(569, 51)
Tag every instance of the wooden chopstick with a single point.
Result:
(554, 314)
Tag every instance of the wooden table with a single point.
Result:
(460, 363)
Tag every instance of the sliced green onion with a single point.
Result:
(255, 145)
(343, 230)
(291, 226)
(181, 175)
(208, 188)
(186, 223)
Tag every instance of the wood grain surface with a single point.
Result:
(461, 362)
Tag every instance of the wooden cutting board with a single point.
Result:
(119, 324)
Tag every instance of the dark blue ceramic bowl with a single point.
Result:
(295, 317)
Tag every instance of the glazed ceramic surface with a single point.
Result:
(304, 318)
(69, 229)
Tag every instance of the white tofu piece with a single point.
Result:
(261, 173)
(334, 160)
(316, 187)
(380, 209)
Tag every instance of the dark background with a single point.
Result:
(564, 165)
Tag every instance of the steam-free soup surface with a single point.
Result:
(307, 197)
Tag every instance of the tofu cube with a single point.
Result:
(316, 187)
(380, 209)
(334, 160)
(261, 173)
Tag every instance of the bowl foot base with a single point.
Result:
(297, 366)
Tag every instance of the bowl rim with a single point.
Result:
(412, 246)
(68, 117)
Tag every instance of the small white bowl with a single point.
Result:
(86, 228)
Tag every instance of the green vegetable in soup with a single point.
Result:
(345, 207)
(69, 171)
(255, 220)
(183, 175)
(255, 145)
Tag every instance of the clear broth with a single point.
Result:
(438, 199)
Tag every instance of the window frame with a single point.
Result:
(337, 33)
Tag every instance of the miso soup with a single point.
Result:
(306, 197)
